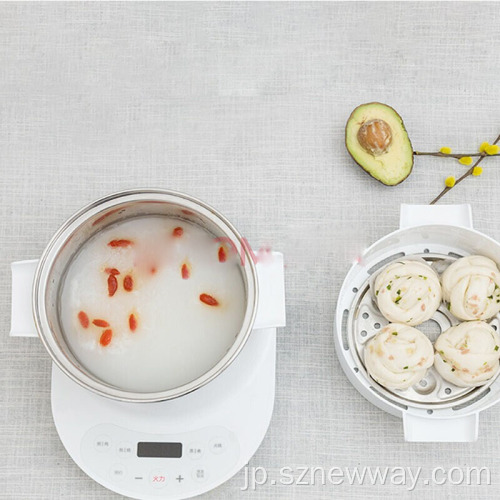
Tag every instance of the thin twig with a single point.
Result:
(460, 179)
(450, 155)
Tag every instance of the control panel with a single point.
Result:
(159, 464)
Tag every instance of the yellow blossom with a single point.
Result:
(465, 160)
(449, 181)
(477, 171)
(492, 149)
(484, 145)
(445, 150)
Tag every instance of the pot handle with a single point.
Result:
(440, 430)
(270, 308)
(22, 324)
(271, 304)
(422, 215)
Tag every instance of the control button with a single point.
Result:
(200, 474)
(125, 450)
(218, 445)
(117, 472)
(179, 479)
(195, 451)
(102, 443)
(158, 478)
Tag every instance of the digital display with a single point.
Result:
(159, 450)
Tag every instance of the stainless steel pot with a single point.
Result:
(68, 240)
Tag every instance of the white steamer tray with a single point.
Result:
(219, 427)
(432, 411)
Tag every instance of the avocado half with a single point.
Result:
(376, 138)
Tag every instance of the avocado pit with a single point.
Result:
(375, 136)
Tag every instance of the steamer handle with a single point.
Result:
(423, 215)
(418, 428)
(22, 324)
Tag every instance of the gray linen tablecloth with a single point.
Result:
(244, 106)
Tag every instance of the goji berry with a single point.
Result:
(120, 243)
(185, 273)
(100, 323)
(132, 322)
(209, 300)
(106, 337)
(112, 285)
(128, 283)
(222, 254)
(84, 319)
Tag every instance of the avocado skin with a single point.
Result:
(377, 103)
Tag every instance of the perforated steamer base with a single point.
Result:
(365, 320)
(432, 410)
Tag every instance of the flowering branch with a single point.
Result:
(473, 170)
(452, 155)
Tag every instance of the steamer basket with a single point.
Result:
(433, 410)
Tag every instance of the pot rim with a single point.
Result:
(84, 377)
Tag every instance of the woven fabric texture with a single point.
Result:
(244, 106)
